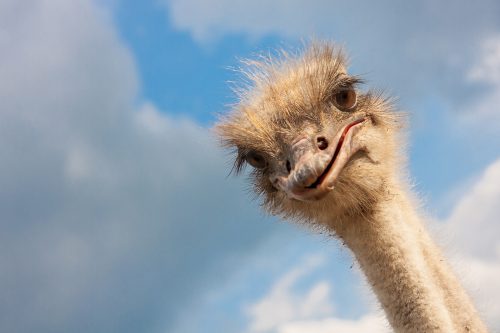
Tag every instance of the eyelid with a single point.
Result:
(259, 158)
(349, 81)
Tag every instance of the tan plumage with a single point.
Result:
(331, 162)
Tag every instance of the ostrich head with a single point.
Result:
(317, 144)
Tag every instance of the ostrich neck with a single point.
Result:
(406, 270)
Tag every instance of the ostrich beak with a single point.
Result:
(315, 173)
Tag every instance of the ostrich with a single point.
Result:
(330, 156)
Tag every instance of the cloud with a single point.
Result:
(478, 210)
(282, 305)
(485, 72)
(113, 215)
(256, 18)
(488, 67)
(473, 228)
(368, 323)
(286, 308)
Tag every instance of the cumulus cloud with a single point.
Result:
(208, 20)
(488, 67)
(368, 323)
(282, 305)
(112, 215)
(485, 72)
(286, 308)
(474, 229)
(478, 210)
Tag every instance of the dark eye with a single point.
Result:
(345, 98)
(256, 160)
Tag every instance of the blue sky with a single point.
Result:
(116, 212)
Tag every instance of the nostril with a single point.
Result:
(288, 166)
(322, 143)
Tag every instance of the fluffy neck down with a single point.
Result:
(406, 270)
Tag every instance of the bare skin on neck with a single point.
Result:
(328, 155)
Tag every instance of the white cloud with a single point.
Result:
(474, 231)
(369, 323)
(488, 67)
(481, 278)
(112, 216)
(287, 309)
(206, 20)
(478, 211)
(485, 72)
(282, 304)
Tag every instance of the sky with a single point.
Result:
(117, 213)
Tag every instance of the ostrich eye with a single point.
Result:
(256, 160)
(345, 98)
